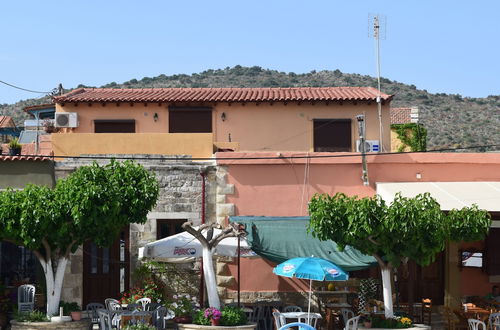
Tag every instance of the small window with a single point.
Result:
(114, 126)
(332, 135)
(168, 227)
(190, 120)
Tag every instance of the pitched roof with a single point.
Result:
(6, 121)
(400, 115)
(39, 107)
(222, 94)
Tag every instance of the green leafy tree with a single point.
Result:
(408, 229)
(93, 203)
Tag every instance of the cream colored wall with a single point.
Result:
(280, 127)
(196, 145)
(262, 127)
(143, 115)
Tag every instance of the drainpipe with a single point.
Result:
(202, 278)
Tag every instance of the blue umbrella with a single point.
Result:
(311, 268)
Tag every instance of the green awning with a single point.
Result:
(281, 238)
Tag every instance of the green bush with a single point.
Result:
(34, 316)
(232, 316)
(14, 144)
(140, 326)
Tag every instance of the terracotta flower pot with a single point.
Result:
(76, 316)
(183, 319)
(215, 322)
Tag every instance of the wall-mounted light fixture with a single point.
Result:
(223, 116)
(155, 116)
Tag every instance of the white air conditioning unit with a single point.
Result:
(370, 146)
(66, 119)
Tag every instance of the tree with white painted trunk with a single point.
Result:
(204, 234)
(407, 229)
(92, 204)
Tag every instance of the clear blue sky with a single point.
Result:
(442, 46)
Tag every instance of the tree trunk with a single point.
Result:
(387, 291)
(210, 281)
(54, 281)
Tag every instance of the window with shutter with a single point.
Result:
(332, 135)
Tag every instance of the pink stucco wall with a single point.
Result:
(277, 187)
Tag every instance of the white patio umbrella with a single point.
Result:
(183, 247)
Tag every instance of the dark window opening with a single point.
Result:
(114, 126)
(190, 120)
(332, 135)
(168, 227)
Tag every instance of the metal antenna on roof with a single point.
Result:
(377, 24)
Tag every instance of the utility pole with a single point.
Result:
(362, 145)
(378, 24)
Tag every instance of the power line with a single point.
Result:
(24, 89)
(307, 156)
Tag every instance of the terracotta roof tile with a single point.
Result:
(24, 157)
(400, 115)
(6, 121)
(221, 94)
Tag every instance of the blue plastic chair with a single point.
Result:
(302, 326)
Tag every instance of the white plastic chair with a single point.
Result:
(346, 314)
(143, 302)
(291, 309)
(476, 324)
(92, 309)
(310, 319)
(105, 319)
(26, 298)
(279, 320)
(493, 318)
(352, 323)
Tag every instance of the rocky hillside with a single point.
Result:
(452, 121)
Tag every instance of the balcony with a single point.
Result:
(75, 144)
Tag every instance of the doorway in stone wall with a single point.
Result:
(106, 271)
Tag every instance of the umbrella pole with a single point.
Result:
(239, 257)
(309, 305)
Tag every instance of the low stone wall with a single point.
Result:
(76, 325)
(251, 326)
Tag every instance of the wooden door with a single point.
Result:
(106, 270)
(422, 282)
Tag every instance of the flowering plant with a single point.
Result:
(184, 305)
(212, 313)
(150, 290)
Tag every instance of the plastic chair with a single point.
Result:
(346, 314)
(493, 318)
(92, 309)
(133, 307)
(291, 309)
(279, 321)
(143, 302)
(26, 298)
(311, 319)
(113, 304)
(301, 325)
(159, 317)
(476, 324)
(105, 319)
(352, 323)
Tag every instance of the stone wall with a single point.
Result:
(180, 198)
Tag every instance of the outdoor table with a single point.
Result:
(477, 313)
(124, 317)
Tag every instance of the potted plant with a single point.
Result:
(14, 147)
(71, 309)
(213, 314)
(183, 307)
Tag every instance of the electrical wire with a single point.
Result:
(23, 89)
(307, 156)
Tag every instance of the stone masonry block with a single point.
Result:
(225, 210)
(227, 189)
(226, 281)
(222, 268)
